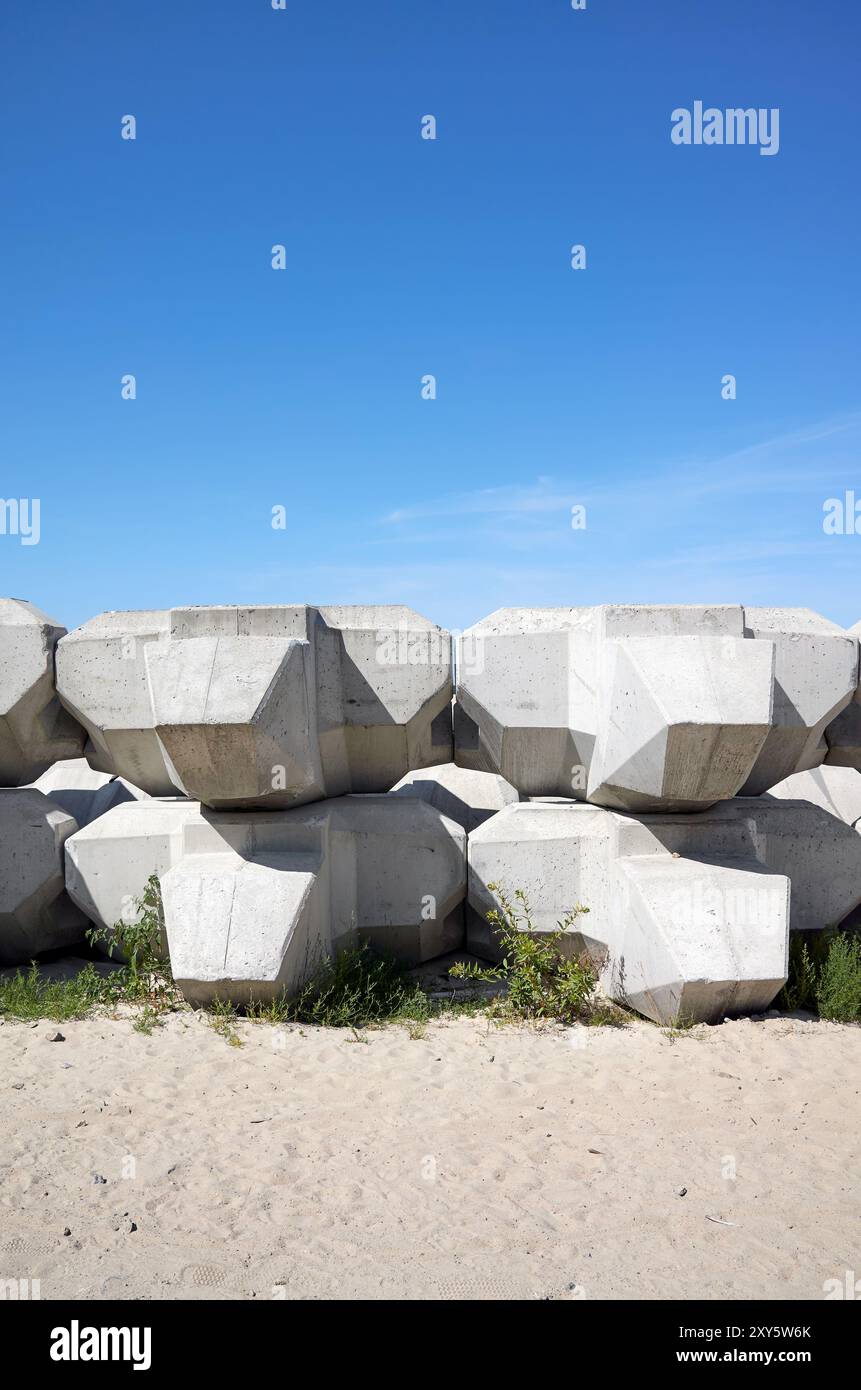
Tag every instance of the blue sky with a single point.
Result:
(300, 388)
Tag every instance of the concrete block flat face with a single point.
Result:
(635, 708)
(35, 730)
(465, 796)
(816, 850)
(235, 719)
(410, 866)
(35, 913)
(109, 862)
(699, 941)
(395, 682)
(558, 853)
(681, 721)
(259, 708)
(102, 680)
(84, 793)
(815, 678)
(836, 790)
(244, 929)
(843, 735)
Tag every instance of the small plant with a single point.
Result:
(222, 1019)
(799, 992)
(30, 995)
(544, 981)
(356, 989)
(838, 986)
(146, 971)
(824, 975)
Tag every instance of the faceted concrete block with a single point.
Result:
(467, 797)
(843, 734)
(643, 708)
(650, 708)
(261, 708)
(35, 913)
(815, 678)
(34, 728)
(102, 680)
(253, 901)
(84, 793)
(836, 790)
(109, 861)
(688, 914)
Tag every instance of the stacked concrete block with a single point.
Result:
(815, 679)
(465, 796)
(688, 914)
(34, 728)
(35, 913)
(254, 900)
(260, 708)
(84, 793)
(843, 734)
(836, 790)
(689, 773)
(650, 708)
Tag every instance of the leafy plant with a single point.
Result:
(30, 995)
(355, 989)
(824, 975)
(544, 980)
(146, 970)
(838, 986)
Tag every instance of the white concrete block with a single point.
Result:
(688, 914)
(465, 796)
(34, 728)
(84, 793)
(35, 913)
(261, 708)
(253, 899)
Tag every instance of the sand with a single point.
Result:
(473, 1163)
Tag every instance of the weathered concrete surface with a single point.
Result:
(467, 797)
(84, 793)
(843, 734)
(649, 708)
(688, 914)
(35, 913)
(815, 678)
(34, 728)
(254, 900)
(834, 789)
(261, 708)
(639, 708)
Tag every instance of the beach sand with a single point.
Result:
(474, 1162)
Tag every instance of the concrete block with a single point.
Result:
(35, 730)
(261, 708)
(254, 900)
(843, 735)
(639, 708)
(467, 797)
(688, 914)
(648, 709)
(35, 913)
(815, 678)
(84, 793)
(835, 789)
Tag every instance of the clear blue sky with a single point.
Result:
(258, 388)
